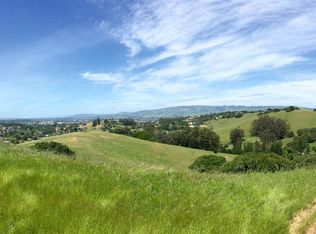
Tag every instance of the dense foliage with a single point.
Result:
(291, 108)
(299, 144)
(199, 138)
(236, 138)
(308, 133)
(304, 161)
(259, 162)
(207, 163)
(269, 129)
(53, 147)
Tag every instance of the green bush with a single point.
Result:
(298, 145)
(277, 147)
(290, 134)
(207, 163)
(304, 161)
(308, 133)
(54, 147)
(259, 162)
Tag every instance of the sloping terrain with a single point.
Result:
(40, 193)
(297, 119)
(98, 146)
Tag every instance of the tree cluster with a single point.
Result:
(269, 129)
(96, 122)
(291, 108)
(252, 162)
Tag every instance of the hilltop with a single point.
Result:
(99, 146)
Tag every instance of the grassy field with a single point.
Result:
(44, 194)
(98, 146)
(297, 120)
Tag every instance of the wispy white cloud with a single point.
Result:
(182, 47)
(108, 78)
(299, 92)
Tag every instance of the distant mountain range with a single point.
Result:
(176, 111)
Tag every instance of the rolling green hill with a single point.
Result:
(297, 119)
(98, 146)
(40, 193)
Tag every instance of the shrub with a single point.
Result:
(259, 162)
(276, 147)
(309, 133)
(248, 147)
(207, 163)
(54, 147)
(239, 115)
(143, 135)
(290, 134)
(298, 145)
(304, 161)
(121, 130)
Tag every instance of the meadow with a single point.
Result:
(102, 147)
(298, 119)
(42, 193)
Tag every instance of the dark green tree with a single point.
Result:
(298, 145)
(269, 129)
(277, 147)
(236, 138)
(94, 123)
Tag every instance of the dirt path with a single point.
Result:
(302, 216)
(312, 229)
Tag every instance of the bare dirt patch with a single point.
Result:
(74, 139)
(301, 217)
(312, 229)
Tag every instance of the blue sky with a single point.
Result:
(62, 57)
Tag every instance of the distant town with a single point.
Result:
(20, 130)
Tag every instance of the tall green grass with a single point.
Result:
(40, 193)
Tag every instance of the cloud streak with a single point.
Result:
(113, 78)
(180, 43)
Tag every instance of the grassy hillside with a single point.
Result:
(42, 194)
(98, 146)
(297, 120)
